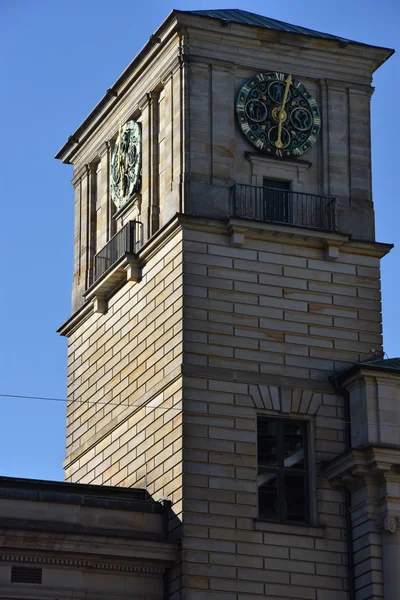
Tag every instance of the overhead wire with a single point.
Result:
(148, 405)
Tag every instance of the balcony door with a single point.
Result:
(277, 201)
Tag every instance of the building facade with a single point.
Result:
(225, 346)
(65, 540)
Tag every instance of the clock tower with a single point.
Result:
(225, 343)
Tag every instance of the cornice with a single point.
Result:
(248, 377)
(76, 319)
(146, 252)
(104, 149)
(356, 468)
(119, 89)
(366, 373)
(80, 173)
(368, 248)
(82, 562)
(258, 159)
(253, 229)
(219, 63)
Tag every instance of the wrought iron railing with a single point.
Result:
(127, 241)
(284, 207)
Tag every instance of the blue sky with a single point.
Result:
(57, 59)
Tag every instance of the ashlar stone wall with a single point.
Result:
(228, 322)
(265, 325)
(276, 305)
(227, 552)
(124, 414)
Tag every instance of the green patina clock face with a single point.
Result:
(126, 164)
(278, 115)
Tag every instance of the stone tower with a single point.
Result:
(225, 342)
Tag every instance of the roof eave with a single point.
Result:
(110, 99)
(345, 375)
(385, 53)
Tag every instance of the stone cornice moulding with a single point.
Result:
(129, 112)
(361, 375)
(82, 562)
(104, 149)
(172, 69)
(283, 51)
(263, 379)
(217, 63)
(136, 68)
(80, 173)
(355, 468)
(146, 252)
(339, 85)
(259, 160)
(254, 230)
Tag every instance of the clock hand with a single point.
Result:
(120, 170)
(282, 113)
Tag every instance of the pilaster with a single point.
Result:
(372, 476)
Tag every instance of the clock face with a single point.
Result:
(278, 115)
(125, 170)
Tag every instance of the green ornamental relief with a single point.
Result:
(126, 164)
(278, 115)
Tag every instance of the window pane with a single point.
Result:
(293, 444)
(268, 494)
(267, 443)
(295, 499)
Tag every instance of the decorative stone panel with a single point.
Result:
(285, 399)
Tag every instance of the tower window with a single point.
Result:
(283, 479)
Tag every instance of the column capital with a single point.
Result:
(388, 522)
(103, 150)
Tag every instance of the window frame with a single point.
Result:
(308, 471)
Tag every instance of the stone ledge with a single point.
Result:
(157, 553)
(293, 529)
(80, 562)
(352, 468)
(127, 268)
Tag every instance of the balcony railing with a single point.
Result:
(284, 207)
(127, 241)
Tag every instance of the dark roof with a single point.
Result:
(243, 17)
(389, 365)
(83, 494)
(383, 363)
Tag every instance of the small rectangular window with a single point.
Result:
(283, 478)
(26, 575)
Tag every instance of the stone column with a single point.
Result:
(390, 532)
(144, 107)
(76, 289)
(154, 162)
(109, 206)
(91, 201)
